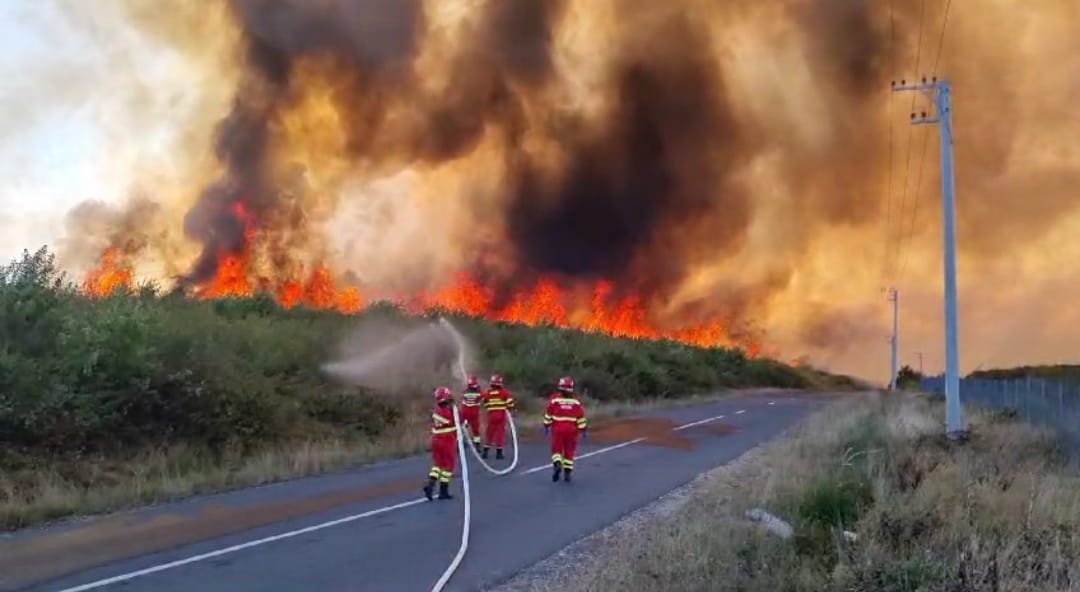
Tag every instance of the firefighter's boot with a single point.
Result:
(484, 454)
(566, 475)
(444, 491)
(477, 445)
(558, 471)
(429, 489)
(498, 454)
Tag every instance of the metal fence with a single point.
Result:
(1051, 403)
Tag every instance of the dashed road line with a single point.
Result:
(697, 423)
(292, 533)
(227, 550)
(587, 455)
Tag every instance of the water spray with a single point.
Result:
(463, 375)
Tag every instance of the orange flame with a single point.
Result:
(112, 273)
(544, 303)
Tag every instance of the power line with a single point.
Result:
(889, 187)
(922, 158)
(941, 37)
(907, 164)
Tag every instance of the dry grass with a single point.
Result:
(177, 472)
(999, 512)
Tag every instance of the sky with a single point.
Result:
(52, 156)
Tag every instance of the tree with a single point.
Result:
(908, 378)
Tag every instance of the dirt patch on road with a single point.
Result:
(51, 555)
(655, 431)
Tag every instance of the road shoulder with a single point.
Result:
(583, 556)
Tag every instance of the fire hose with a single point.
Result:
(464, 546)
(468, 510)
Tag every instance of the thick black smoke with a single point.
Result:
(658, 174)
(650, 169)
(220, 216)
(365, 36)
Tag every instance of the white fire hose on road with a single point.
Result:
(468, 509)
(460, 342)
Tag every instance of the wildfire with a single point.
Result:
(543, 303)
(112, 274)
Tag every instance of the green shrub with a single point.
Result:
(834, 502)
(143, 368)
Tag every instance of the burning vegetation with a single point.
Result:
(708, 172)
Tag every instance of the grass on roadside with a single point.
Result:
(999, 512)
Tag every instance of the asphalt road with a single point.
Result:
(368, 529)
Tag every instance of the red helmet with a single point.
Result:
(473, 383)
(496, 380)
(443, 394)
(566, 384)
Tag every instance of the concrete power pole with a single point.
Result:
(894, 371)
(940, 94)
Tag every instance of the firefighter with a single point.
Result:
(498, 401)
(443, 444)
(564, 420)
(471, 400)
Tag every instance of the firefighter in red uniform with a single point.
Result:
(498, 401)
(443, 444)
(564, 420)
(471, 400)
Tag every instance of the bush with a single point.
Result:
(132, 370)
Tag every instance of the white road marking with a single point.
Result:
(339, 521)
(697, 423)
(772, 402)
(586, 455)
(240, 547)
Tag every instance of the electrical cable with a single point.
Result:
(889, 187)
(907, 164)
(922, 158)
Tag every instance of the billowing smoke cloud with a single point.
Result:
(714, 159)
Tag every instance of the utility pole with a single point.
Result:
(940, 94)
(894, 297)
(920, 355)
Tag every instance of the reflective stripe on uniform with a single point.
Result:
(448, 430)
(563, 418)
